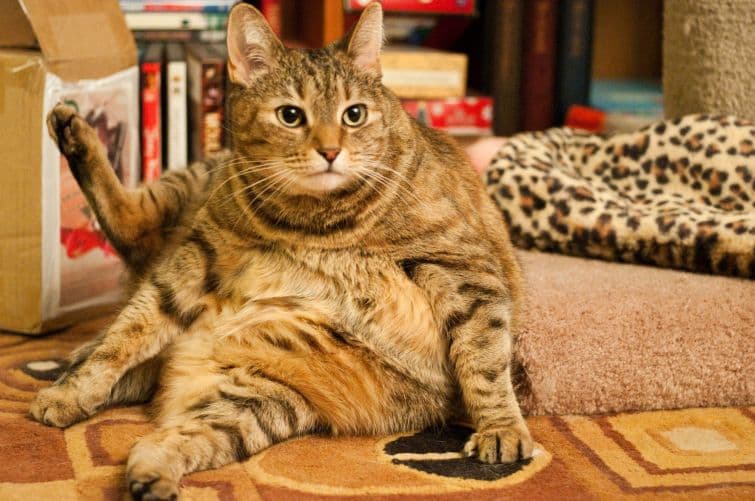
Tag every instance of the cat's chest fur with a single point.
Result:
(367, 295)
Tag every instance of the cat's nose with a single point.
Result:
(329, 154)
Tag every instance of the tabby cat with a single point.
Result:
(341, 270)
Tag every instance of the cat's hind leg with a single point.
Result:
(210, 415)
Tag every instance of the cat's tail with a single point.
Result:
(138, 223)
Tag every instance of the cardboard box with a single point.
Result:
(55, 265)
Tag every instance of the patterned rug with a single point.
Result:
(686, 454)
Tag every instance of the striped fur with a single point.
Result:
(266, 308)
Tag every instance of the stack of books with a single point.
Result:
(182, 58)
(418, 67)
(182, 62)
(534, 56)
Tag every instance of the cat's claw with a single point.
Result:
(57, 406)
(500, 445)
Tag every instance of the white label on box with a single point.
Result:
(79, 268)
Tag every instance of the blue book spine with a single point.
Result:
(574, 55)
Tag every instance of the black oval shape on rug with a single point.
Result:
(434, 442)
(44, 370)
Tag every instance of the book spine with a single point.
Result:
(206, 110)
(539, 65)
(504, 63)
(207, 36)
(575, 55)
(141, 6)
(424, 74)
(151, 123)
(271, 9)
(175, 20)
(213, 107)
(194, 68)
(176, 126)
(455, 7)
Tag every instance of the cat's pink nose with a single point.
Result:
(329, 154)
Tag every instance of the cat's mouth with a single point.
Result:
(323, 180)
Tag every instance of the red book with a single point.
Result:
(151, 75)
(539, 64)
(457, 7)
(466, 116)
(271, 9)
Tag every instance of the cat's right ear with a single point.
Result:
(252, 45)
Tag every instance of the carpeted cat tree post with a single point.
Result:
(709, 57)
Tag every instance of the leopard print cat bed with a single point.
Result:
(679, 193)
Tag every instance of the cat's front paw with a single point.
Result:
(58, 406)
(73, 135)
(500, 445)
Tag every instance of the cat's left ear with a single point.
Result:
(252, 46)
(365, 41)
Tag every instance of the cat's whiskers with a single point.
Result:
(274, 182)
(372, 171)
(247, 170)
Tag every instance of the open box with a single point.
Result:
(55, 264)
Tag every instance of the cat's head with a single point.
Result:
(310, 123)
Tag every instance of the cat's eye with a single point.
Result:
(355, 115)
(291, 116)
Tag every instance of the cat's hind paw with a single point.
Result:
(500, 445)
(151, 485)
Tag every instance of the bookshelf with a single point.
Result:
(512, 61)
(314, 23)
(627, 39)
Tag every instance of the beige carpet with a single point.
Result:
(607, 337)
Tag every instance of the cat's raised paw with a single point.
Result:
(149, 487)
(500, 445)
(71, 132)
(57, 406)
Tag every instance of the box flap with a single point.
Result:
(81, 38)
(15, 29)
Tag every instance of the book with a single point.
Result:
(207, 36)
(502, 65)
(272, 10)
(176, 5)
(466, 116)
(641, 97)
(574, 55)
(175, 20)
(457, 7)
(150, 70)
(418, 73)
(206, 78)
(606, 122)
(539, 64)
(175, 113)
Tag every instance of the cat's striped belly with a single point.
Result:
(357, 348)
